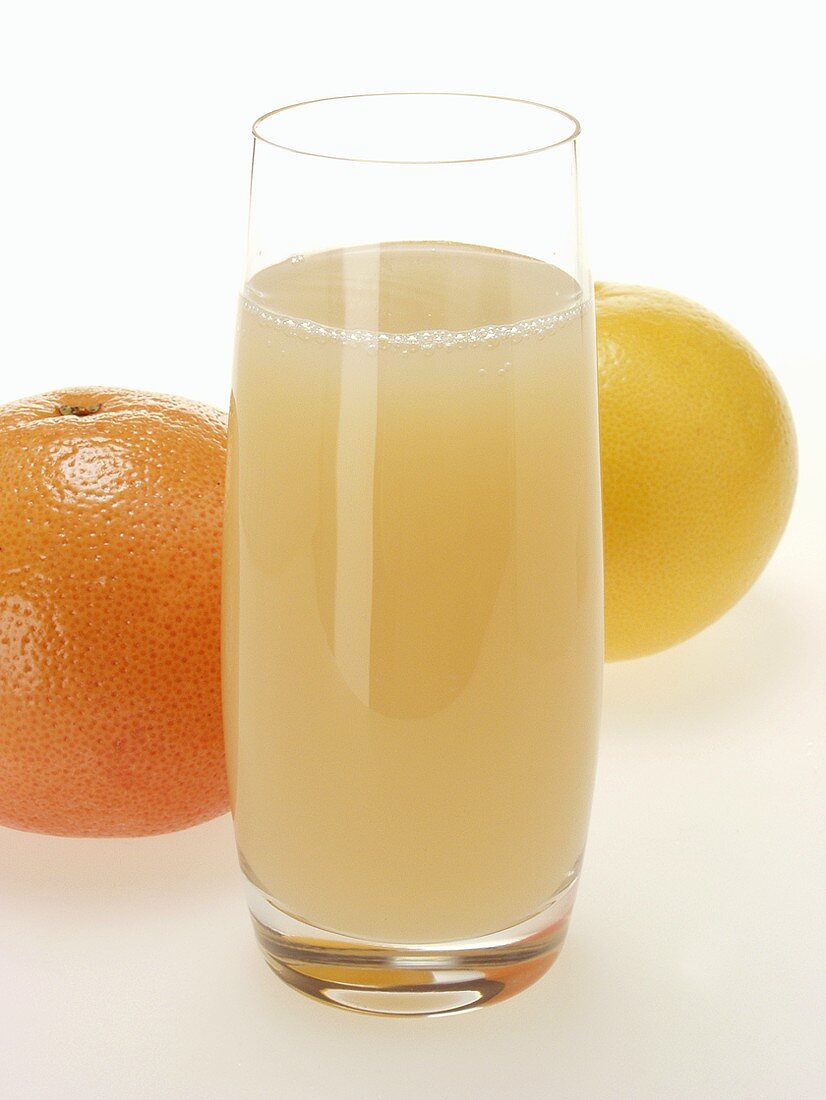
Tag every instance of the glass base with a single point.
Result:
(432, 979)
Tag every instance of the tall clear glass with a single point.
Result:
(412, 559)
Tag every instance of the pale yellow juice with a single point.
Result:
(412, 586)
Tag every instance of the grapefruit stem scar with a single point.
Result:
(79, 410)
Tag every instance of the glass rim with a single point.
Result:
(566, 139)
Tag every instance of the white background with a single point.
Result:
(695, 966)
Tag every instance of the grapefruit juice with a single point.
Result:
(412, 588)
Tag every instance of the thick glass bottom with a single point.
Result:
(432, 979)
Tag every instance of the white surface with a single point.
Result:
(695, 966)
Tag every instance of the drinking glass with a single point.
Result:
(412, 601)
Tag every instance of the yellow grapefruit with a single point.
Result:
(699, 466)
